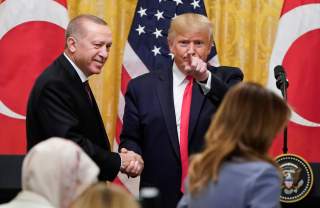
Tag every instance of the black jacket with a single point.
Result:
(59, 106)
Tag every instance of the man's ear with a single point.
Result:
(72, 44)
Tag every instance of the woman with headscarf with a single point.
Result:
(54, 173)
(234, 170)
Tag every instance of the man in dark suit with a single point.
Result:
(154, 122)
(61, 103)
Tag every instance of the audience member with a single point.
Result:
(102, 195)
(234, 170)
(54, 173)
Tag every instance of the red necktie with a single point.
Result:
(184, 126)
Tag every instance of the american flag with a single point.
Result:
(146, 47)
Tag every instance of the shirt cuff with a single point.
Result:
(206, 87)
(122, 165)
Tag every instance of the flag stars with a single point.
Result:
(157, 33)
(142, 12)
(140, 29)
(195, 4)
(156, 50)
(159, 15)
(178, 2)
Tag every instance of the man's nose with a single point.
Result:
(191, 50)
(103, 52)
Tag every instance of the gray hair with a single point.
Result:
(75, 26)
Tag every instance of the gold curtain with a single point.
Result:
(244, 33)
(244, 36)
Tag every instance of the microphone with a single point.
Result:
(150, 197)
(280, 75)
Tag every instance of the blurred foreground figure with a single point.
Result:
(103, 195)
(235, 169)
(52, 178)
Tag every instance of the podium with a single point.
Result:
(10, 176)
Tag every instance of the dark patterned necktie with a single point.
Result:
(88, 90)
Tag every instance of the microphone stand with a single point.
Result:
(285, 131)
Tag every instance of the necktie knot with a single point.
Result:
(189, 78)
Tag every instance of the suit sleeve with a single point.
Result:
(222, 80)
(131, 134)
(265, 189)
(55, 110)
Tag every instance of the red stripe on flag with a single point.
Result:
(119, 182)
(125, 78)
(118, 129)
(62, 2)
(292, 4)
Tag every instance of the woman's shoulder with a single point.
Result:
(242, 167)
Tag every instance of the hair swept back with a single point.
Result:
(75, 27)
(190, 23)
(244, 126)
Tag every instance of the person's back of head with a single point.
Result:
(59, 170)
(102, 195)
(244, 126)
(249, 116)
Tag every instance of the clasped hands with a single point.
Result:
(131, 163)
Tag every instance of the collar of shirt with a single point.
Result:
(178, 76)
(82, 76)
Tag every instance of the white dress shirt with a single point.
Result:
(82, 76)
(179, 84)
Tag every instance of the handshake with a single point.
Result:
(131, 163)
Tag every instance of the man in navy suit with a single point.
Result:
(154, 106)
(61, 103)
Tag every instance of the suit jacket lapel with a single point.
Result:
(196, 105)
(165, 94)
(76, 81)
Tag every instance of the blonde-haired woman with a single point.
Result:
(234, 170)
(102, 195)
